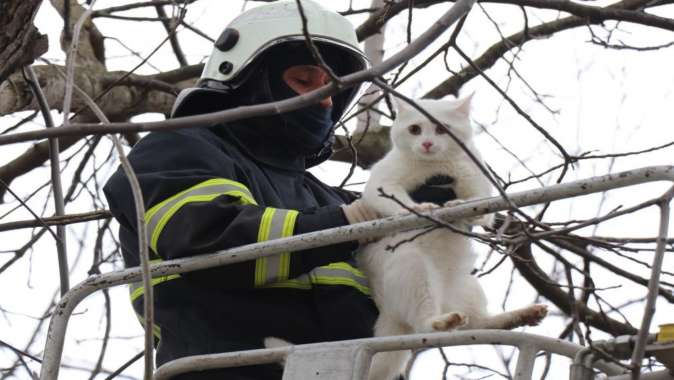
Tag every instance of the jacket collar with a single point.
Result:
(262, 143)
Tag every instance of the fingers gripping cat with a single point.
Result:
(426, 285)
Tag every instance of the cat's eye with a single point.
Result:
(441, 129)
(414, 129)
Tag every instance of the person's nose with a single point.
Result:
(317, 79)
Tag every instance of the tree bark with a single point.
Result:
(526, 265)
(20, 41)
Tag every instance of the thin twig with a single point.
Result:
(297, 102)
(148, 299)
(480, 165)
(55, 165)
(334, 79)
(71, 57)
(170, 25)
(125, 366)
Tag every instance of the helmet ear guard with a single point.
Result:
(228, 38)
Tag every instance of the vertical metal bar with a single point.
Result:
(653, 285)
(525, 362)
(55, 166)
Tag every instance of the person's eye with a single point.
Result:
(414, 129)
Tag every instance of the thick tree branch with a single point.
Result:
(170, 25)
(496, 51)
(91, 49)
(621, 11)
(526, 265)
(134, 96)
(20, 41)
(414, 48)
(141, 4)
(371, 146)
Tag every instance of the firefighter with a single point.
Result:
(212, 188)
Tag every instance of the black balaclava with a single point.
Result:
(307, 128)
(306, 131)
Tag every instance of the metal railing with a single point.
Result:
(350, 360)
(59, 321)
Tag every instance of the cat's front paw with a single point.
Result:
(423, 207)
(486, 221)
(449, 321)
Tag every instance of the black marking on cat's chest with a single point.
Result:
(436, 189)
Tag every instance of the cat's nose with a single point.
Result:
(427, 145)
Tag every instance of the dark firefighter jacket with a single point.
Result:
(211, 189)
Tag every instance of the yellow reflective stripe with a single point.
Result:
(136, 289)
(340, 273)
(347, 267)
(140, 290)
(326, 280)
(297, 283)
(156, 330)
(274, 224)
(263, 235)
(158, 216)
(288, 229)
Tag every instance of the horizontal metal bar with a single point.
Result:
(391, 343)
(59, 321)
(657, 375)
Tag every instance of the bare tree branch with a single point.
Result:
(57, 220)
(20, 41)
(243, 112)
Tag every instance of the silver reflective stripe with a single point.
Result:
(274, 262)
(334, 274)
(274, 224)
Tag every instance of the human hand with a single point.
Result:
(358, 212)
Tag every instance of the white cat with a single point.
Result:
(426, 285)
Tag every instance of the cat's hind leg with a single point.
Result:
(527, 316)
(389, 365)
(449, 321)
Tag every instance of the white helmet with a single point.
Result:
(272, 27)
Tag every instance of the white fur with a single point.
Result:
(425, 285)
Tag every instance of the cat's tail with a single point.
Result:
(389, 365)
(274, 342)
(385, 365)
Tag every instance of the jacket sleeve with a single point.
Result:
(201, 203)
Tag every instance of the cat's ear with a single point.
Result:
(400, 105)
(462, 106)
